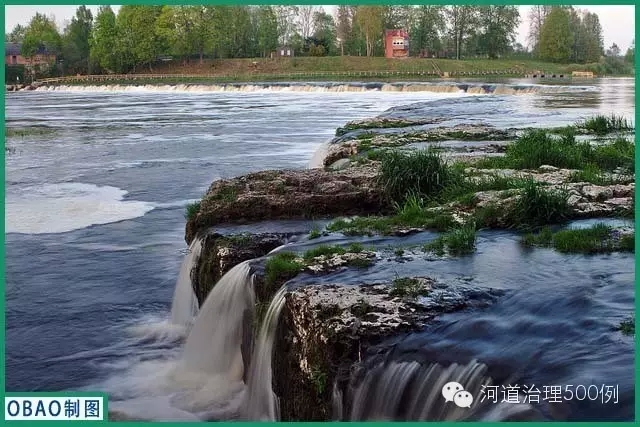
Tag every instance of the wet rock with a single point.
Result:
(326, 329)
(221, 253)
(382, 123)
(340, 164)
(282, 194)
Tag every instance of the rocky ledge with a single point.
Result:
(281, 194)
(326, 329)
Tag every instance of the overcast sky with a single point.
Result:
(618, 22)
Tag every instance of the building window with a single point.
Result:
(282, 52)
(288, 52)
(14, 59)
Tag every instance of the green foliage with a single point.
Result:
(538, 147)
(41, 33)
(539, 206)
(602, 125)
(319, 380)
(192, 210)
(420, 173)
(628, 327)
(599, 238)
(280, 268)
(458, 241)
(325, 250)
(408, 287)
(355, 248)
(314, 234)
(76, 41)
(556, 37)
(103, 45)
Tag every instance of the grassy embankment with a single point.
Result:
(343, 68)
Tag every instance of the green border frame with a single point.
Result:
(287, 2)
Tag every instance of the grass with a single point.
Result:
(540, 147)
(593, 240)
(421, 173)
(538, 206)
(602, 125)
(192, 210)
(628, 327)
(355, 248)
(226, 194)
(280, 268)
(325, 250)
(593, 175)
(459, 241)
(315, 233)
(408, 287)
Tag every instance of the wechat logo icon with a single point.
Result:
(454, 392)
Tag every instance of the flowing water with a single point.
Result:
(94, 245)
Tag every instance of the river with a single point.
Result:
(95, 224)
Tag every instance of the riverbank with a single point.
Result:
(400, 177)
(347, 69)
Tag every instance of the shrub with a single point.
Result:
(459, 241)
(325, 250)
(408, 286)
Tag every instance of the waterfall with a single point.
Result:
(214, 344)
(261, 403)
(410, 391)
(185, 304)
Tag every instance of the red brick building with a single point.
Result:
(396, 44)
(13, 56)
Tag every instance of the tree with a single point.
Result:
(267, 30)
(343, 27)
(41, 33)
(556, 39)
(286, 22)
(138, 41)
(324, 31)
(305, 21)
(16, 35)
(104, 40)
(593, 42)
(76, 41)
(426, 31)
(537, 15)
(369, 20)
(499, 24)
(614, 50)
(461, 23)
(630, 56)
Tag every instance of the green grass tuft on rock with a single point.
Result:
(602, 125)
(315, 233)
(421, 173)
(458, 241)
(598, 238)
(538, 206)
(192, 210)
(281, 267)
(408, 287)
(325, 250)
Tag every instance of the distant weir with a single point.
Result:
(331, 87)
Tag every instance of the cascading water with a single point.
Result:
(185, 304)
(498, 89)
(261, 403)
(410, 391)
(214, 344)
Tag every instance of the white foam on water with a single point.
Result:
(59, 208)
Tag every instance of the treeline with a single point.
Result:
(140, 36)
